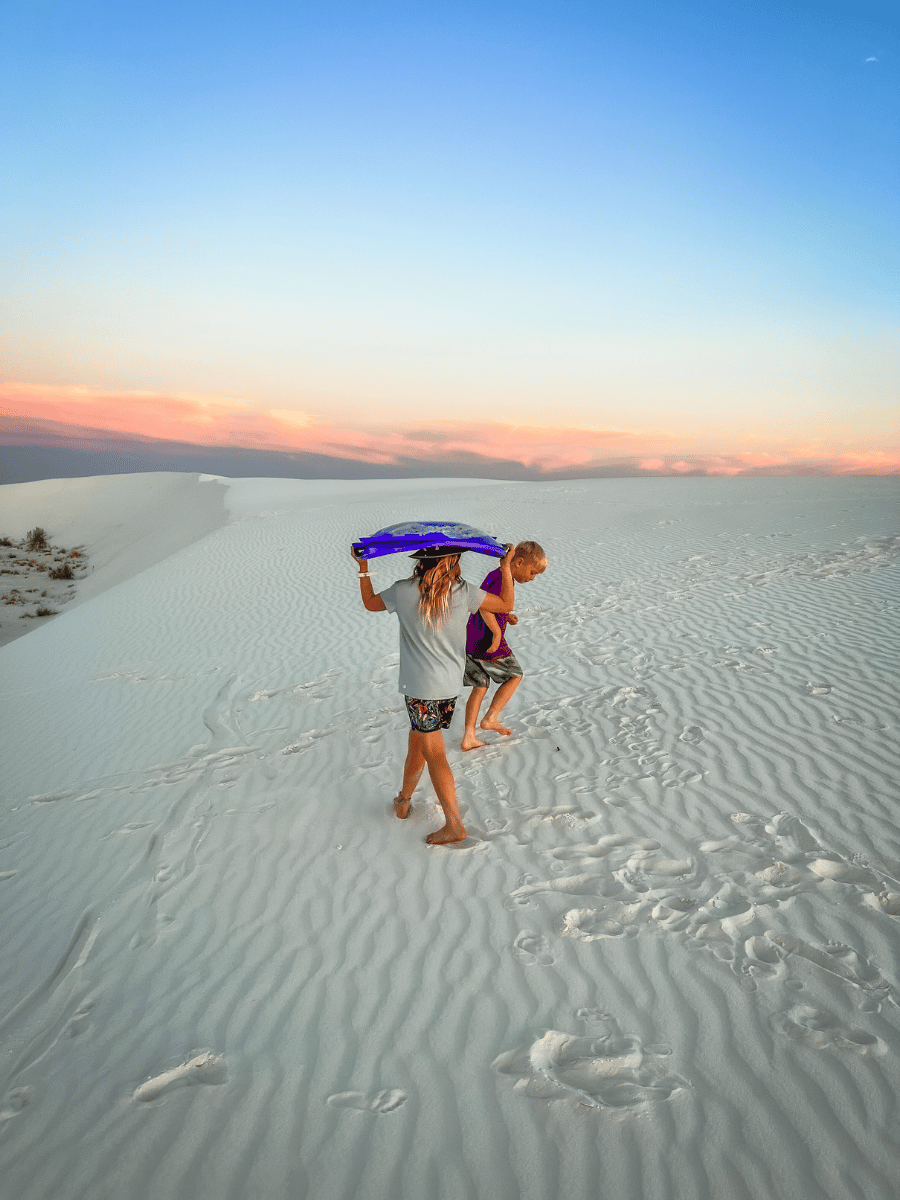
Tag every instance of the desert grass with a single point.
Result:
(34, 559)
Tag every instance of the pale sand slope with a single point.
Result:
(127, 522)
(666, 964)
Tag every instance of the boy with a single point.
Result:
(487, 655)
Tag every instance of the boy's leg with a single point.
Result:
(501, 696)
(473, 707)
(412, 773)
(435, 755)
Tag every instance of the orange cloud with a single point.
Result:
(234, 422)
(874, 462)
(40, 414)
(199, 420)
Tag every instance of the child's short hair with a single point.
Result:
(532, 553)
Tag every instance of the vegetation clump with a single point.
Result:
(28, 557)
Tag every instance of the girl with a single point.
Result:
(433, 608)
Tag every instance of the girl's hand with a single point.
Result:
(512, 619)
(363, 563)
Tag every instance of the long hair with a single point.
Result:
(435, 577)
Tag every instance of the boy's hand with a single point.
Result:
(508, 556)
(512, 619)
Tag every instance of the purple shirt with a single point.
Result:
(478, 636)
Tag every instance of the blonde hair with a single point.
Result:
(436, 579)
(532, 553)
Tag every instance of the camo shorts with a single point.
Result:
(481, 672)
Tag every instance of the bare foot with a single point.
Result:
(402, 806)
(492, 723)
(446, 836)
(471, 742)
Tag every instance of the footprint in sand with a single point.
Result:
(818, 689)
(514, 901)
(202, 1068)
(823, 1031)
(610, 844)
(888, 902)
(612, 1070)
(795, 840)
(692, 734)
(841, 961)
(590, 924)
(532, 949)
(681, 779)
(386, 1101)
(309, 739)
(50, 797)
(13, 1103)
(133, 827)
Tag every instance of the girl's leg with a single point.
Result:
(473, 707)
(435, 755)
(412, 773)
(501, 696)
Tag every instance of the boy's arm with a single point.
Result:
(493, 625)
(507, 598)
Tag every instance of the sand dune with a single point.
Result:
(666, 962)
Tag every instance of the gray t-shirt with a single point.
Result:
(432, 658)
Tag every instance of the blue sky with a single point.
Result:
(662, 217)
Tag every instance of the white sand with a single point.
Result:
(667, 962)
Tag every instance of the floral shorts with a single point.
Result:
(425, 716)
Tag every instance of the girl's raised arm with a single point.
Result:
(371, 602)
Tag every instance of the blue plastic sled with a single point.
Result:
(423, 535)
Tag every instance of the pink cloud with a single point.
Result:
(234, 422)
(875, 462)
(51, 414)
